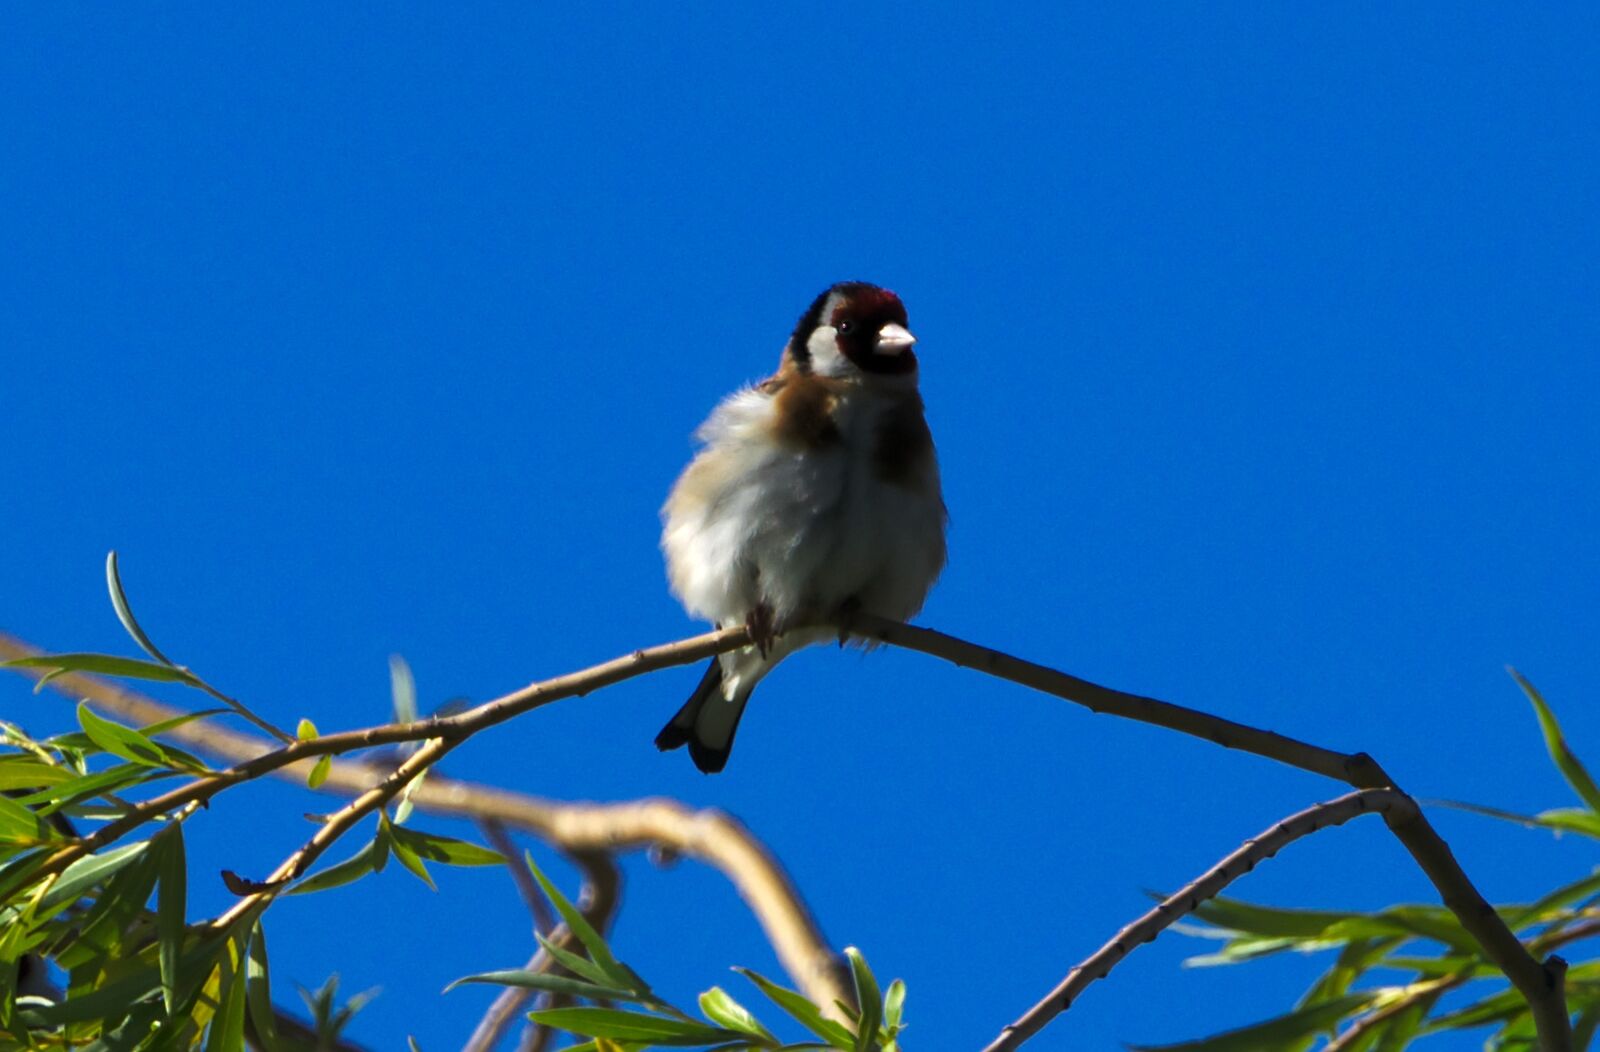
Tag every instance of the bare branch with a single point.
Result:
(1184, 901)
(495, 833)
(1541, 984)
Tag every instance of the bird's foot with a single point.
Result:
(759, 623)
(846, 617)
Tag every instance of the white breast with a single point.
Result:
(752, 521)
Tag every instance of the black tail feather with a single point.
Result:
(681, 729)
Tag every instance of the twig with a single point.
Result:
(452, 729)
(495, 833)
(1184, 901)
(336, 825)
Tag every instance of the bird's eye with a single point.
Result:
(846, 328)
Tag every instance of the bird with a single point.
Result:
(815, 496)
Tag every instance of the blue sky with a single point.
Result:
(1259, 344)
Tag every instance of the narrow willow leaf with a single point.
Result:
(351, 869)
(119, 601)
(613, 1023)
(171, 907)
(580, 965)
(306, 730)
(580, 927)
(226, 1033)
(105, 665)
(319, 772)
(85, 873)
(411, 1044)
(18, 825)
(28, 773)
(723, 1010)
(402, 689)
(65, 794)
(258, 992)
(1280, 1032)
(559, 984)
(121, 741)
(445, 849)
(402, 851)
(1571, 768)
(1240, 916)
(868, 997)
(175, 722)
(802, 1010)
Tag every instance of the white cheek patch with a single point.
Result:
(825, 357)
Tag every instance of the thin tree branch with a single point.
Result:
(544, 921)
(1541, 984)
(1186, 899)
(336, 825)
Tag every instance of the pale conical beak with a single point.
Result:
(892, 339)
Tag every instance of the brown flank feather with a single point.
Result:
(803, 410)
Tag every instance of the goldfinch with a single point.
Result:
(815, 495)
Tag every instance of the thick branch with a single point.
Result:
(1187, 899)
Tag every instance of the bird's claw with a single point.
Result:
(762, 631)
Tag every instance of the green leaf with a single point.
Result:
(59, 797)
(227, 1026)
(578, 924)
(319, 772)
(802, 1010)
(24, 772)
(306, 731)
(724, 1011)
(579, 965)
(402, 851)
(171, 899)
(402, 689)
(19, 825)
(445, 849)
(119, 601)
(86, 872)
(894, 1004)
(559, 984)
(868, 997)
(1566, 760)
(121, 741)
(367, 860)
(630, 1026)
(1237, 915)
(258, 991)
(1273, 1033)
(105, 665)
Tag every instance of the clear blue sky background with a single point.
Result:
(1260, 347)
